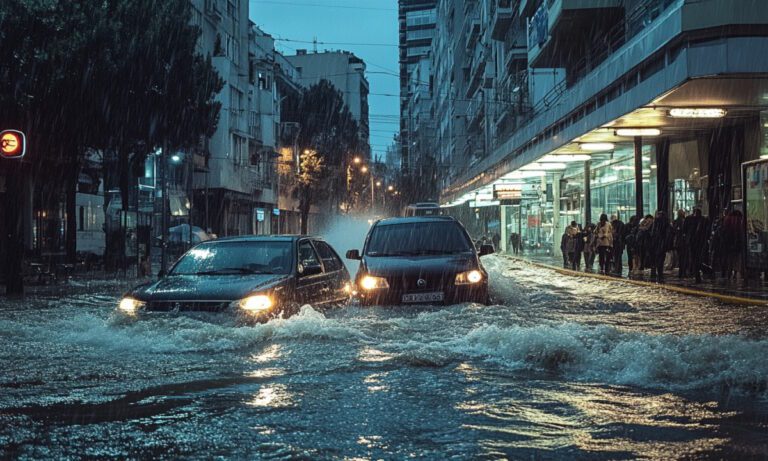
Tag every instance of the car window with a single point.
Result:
(331, 261)
(417, 238)
(236, 257)
(307, 255)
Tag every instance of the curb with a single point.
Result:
(641, 283)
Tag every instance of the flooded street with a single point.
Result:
(558, 368)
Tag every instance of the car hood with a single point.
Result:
(206, 287)
(418, 265)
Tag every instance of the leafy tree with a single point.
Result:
(309, 180)
(329, 131)
(114, 75)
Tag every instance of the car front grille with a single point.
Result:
(187, 306)
(411, 283)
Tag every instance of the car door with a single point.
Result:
(337, 278)
(311, 284)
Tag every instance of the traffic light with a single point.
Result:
(13, 144)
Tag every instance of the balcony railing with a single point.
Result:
(502, 18)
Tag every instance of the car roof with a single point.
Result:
(265, 238)
(424, 205)
(415, 219)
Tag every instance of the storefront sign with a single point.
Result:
(259, 214)
(276, 211)
(505, 192)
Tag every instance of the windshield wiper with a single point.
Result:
(235, 270)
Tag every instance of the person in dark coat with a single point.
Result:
(630, 231)
(733, 243)
(618, 245)
(681, 245)
(564, 248)
(696, 231)
(496, 239)
(660, 242)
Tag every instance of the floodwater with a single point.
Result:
(559, 368)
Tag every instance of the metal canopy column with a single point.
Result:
(639, 177)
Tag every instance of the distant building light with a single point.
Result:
(597, 146)
(632, 132)
(175, 158)
(697, 113)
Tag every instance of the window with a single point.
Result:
(307, 255)
(331, 261)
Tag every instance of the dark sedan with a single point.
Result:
(420, 260)
(258, 277)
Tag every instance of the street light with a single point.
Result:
(357, 160)
(364, 169)
(378, 183)
(390, 188)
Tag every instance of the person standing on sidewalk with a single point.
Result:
(618, 245)
(696, 230)
(564, 248)
(733, 244)
(496, 239)
(630, 232)
(681, 245)
(643, 243)
(662, 236)
(572, 245)
(590, 248)
(604, 244)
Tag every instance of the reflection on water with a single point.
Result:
(272, 396)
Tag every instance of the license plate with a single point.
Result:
(433, 297)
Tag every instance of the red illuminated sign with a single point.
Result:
(13, 144)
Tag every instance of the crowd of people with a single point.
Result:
(691, 243)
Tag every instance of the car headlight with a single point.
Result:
(256, 303)
(469, 277)
(369, 282)
(130, 305)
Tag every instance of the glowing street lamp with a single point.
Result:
(390, 188)
(364, 169)
(357, 160)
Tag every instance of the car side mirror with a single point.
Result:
(310, 270)
(353, 254)
(486, 249)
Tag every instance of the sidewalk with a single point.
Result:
(740, 292)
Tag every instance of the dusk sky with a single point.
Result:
(368, 28)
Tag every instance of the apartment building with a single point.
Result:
(346, 72)
(620, 107)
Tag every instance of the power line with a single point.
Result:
(335, 43)
(321, 5)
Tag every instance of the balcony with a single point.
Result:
(552, 29)
(502, 19)
(473, 32)
(515, 55)
(476, 70)
(475, 111)
(214, 9)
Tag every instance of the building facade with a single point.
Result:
(416, 30)
(578, 108)
(346, 72)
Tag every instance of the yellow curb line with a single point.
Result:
(677, 289)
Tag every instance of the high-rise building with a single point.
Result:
(416, 29)
(580, 108)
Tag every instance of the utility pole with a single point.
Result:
(164, 208)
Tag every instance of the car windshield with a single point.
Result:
(224, 258)
(418, 238)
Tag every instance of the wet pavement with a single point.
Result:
(756, 289)
(559, 368)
